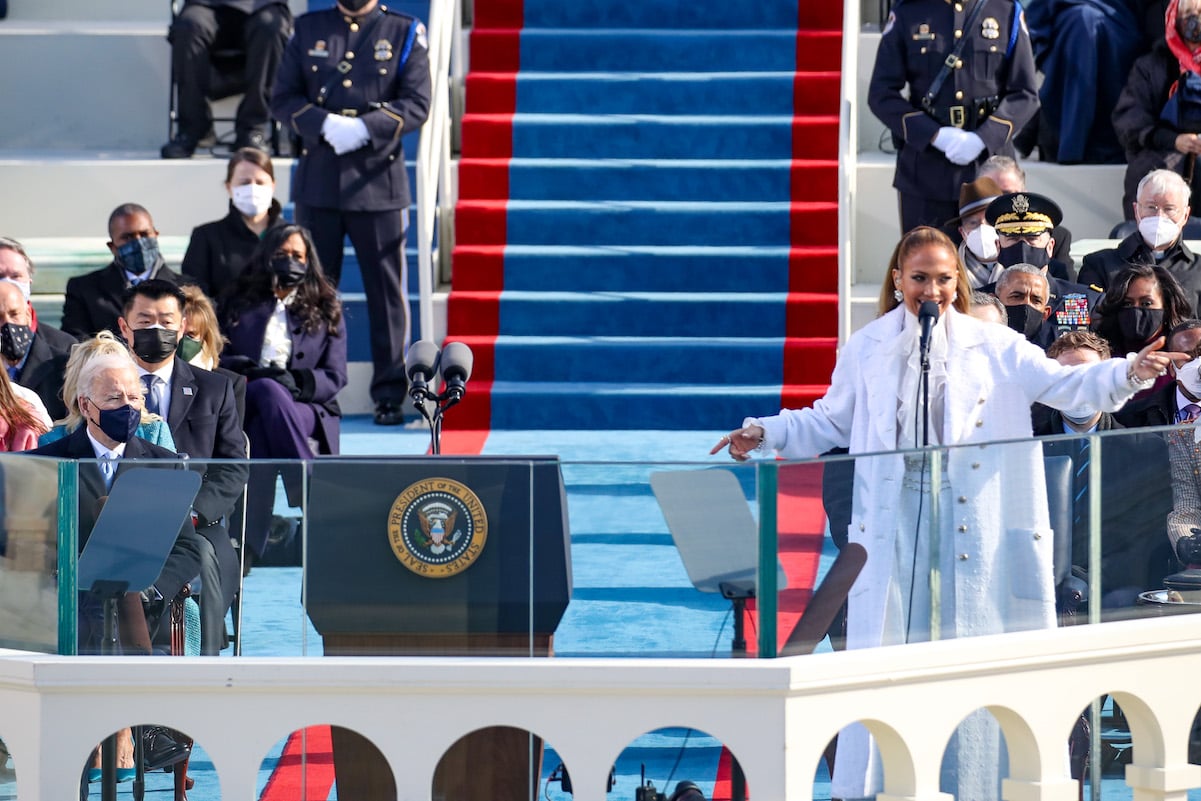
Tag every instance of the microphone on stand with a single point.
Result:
(420, 365)
(927, 316)
(457, 361)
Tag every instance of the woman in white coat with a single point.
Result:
(994, 533)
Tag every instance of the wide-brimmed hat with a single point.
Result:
(974, 196)
(1023, 213)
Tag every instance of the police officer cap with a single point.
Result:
(1023, 213)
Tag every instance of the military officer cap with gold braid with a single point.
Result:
(1020, 213)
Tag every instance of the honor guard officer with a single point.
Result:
(352, 81)
(970, 76)
(1024, 221)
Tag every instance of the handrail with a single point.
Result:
(848, 158)
(434, 191)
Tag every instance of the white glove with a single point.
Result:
(966, 149)
(946, 137)
(344, 134)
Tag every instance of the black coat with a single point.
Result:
(204, 423)
(917, 38)
(93, 301)
(1150, 142)
(183, 564)
(391, 98)
(1099, 267)
(44, 367)
(218, 251)
(1134, 502)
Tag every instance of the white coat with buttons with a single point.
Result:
(1003, 578)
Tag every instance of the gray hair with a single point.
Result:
(984, 299)
(1028, 269)
(91, 371)
(1164, 182)
(996, 165)
(8, 243)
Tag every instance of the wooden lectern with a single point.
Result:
(445, 556)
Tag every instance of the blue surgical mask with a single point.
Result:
(138, 256)
(120, 423)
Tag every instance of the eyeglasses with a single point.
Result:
(1150, 209)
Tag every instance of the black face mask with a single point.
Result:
(353, 6)
(15, 341)
(1023, 253)
(1190, 29)
(1139, 325)
(119, 424)
(154, 345)
(138, 256)
(288, 271)
(1026, 320)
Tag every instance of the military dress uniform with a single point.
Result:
(990, 90)
(374, 68)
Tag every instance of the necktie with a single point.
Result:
(154, 393)
(1188, 414)
(108, 466)
(1080, 485)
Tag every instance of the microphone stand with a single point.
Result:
(424, 399)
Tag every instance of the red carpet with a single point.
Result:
(306, 768)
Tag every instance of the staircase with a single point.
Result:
(647, 219)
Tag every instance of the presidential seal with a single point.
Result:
(437, 527)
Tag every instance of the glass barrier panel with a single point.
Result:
(29, 553)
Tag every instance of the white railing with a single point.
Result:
(776, 716)
(435, 195)
(848, 162)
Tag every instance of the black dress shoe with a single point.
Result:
(184, 145)
(160, 750)
(389, 413)
(253, 138)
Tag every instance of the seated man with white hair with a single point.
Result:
(110, 400)
(1161, 210)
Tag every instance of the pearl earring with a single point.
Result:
(896, 293)
(954, 297)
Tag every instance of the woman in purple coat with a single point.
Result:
(284, 324)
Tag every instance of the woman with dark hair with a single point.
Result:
(218, 251)
(1142, 304)
(994, 555)
(284, 324)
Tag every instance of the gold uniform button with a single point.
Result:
(979, 400)
(861, 527)
(959, 64)
(959, 6)
(975, 465)
(959, 95)
(992, 49)
(346, 84)
(383, 70)
(1037, 536)
(354, 26)
(923, 50)
(963, 557)
(958, 34)
(963, 529)
(314, 68)
(979, 424)
(963, 499)
(350, 55)
(392, 158)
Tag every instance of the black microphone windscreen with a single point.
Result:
(457, 360)
(421, 359)
(928, 309)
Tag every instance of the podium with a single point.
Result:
(446, 556)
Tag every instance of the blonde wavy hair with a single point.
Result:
(103, 345)
(202, 318)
